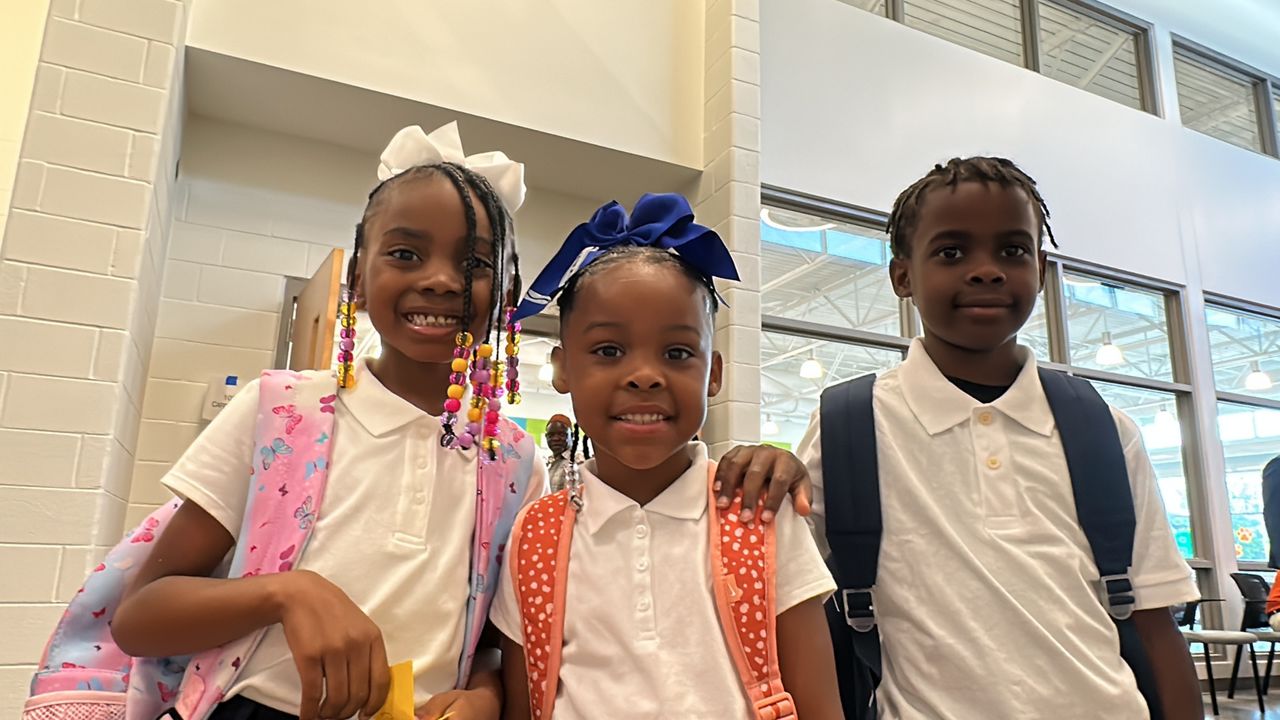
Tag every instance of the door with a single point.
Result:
(315, 314)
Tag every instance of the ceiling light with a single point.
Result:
(1109, 354)
(769, 220)
(1257, 380)
(811, 369)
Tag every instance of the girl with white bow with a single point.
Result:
(384, 577)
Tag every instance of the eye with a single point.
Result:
(1014, 251)
(608, 351)
(480, 262)
(404, 255)
(950, 252)
(679, 353)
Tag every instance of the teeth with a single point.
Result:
(423, 320)
(647, 419)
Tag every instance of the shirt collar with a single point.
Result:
(939, 405)
(684, 499)
(378, 409)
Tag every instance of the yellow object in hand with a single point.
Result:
(399, 704)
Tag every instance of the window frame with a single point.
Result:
(1265, 87)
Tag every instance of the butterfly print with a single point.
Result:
(166, 693)
(326, 403)
(305, 514)
(98, 613)
(324, 438)
(147, 533)
(277, 449)
(236, 663)
(283, 489)
(292, 418)
(319, 465)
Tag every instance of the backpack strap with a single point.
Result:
(501, 487)
(290, 469)
(1104, 506)
(541, 553)
(748, 608)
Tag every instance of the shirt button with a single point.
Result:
(985, 418)
(993, 462)
(643, 605)
(422, 464)
(418, 498)
(642, 531)
(642, 564)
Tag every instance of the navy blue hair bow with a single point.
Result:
(658, 220)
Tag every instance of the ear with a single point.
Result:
(558, 377)
(1044, 266)
(717, 374)
(900, 276)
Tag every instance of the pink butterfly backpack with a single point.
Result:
(83, 675)
(742, 577)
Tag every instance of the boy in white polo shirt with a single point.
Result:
(986, 598)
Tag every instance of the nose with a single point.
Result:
(644, 376)
(439, 276)
(986, 273)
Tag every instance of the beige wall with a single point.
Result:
(539, 65)
(20, 36)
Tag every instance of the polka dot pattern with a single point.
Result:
(542, 536)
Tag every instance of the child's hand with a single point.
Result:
(479, 704)
(751, 468)
(337, 648)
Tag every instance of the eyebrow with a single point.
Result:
(408, 232)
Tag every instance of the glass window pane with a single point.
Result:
(826, 272)
(1216, 101)
(1246, 352)
(1035, 334)
(788, 397)
(1089, 53)
(1116, 328)
(1156, 414)
(1250, 439)
(992, 27)
(876, 6)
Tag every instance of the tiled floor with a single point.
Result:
(1244, 707)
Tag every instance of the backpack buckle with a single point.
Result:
(859, 610)
(1117, 595)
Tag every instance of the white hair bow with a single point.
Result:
(412, 147)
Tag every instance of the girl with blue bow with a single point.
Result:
(631, 593)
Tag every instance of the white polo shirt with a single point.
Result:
(394, 531)
(641, 634)
(987, 594)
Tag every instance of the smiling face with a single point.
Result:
(636, 357)
(412, 272)
(974, 266)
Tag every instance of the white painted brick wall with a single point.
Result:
(80, 275)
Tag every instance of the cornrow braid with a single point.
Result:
(454, 173)
(635, 253)
(1001, 171)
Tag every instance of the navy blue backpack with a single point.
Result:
(1104, 505)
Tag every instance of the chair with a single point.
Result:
(1254, 621)
(1218, 637)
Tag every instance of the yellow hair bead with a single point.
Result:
(474, 414)
(459, 365)
(485, 350)
(464, 339)
(455, 392)
(512, 349)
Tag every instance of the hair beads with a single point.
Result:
(513, 360)
(457, 388)
(347, 340)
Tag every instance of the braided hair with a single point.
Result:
(465, 182)
(637, 253)
(998, 170)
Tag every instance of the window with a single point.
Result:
(879, 7)
(1035, 334)
(795, 369)
(1082, 49)
(1217, 100)
(1246, 352)
(828, 272)
(992, 27)
(1156, 414)
(1116, 328)
(1250, 439)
